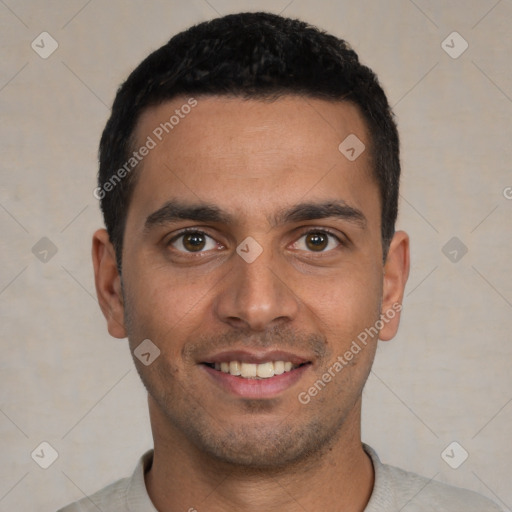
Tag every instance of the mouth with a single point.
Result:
(256, 376)
(264, 370)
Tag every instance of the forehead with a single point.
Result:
(252, 154)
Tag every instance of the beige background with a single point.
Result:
(446, 377)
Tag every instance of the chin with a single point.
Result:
(264, 446)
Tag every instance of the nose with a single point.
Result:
(256, 295)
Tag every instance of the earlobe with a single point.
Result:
(108, 283)
(396, 272)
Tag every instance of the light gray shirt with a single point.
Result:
(394, 490)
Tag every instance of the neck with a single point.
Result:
(182, 478)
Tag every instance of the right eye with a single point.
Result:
(193, 241)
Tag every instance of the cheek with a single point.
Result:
(167, 305)
(345, 304)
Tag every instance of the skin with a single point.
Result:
(253, 159)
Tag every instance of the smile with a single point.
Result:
(263, 370)
(254, 374)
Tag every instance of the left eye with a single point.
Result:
(316, 241)
(193, 241)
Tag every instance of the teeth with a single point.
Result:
(278, 367)
(248, 370)
(234, 368)
(265, 370)
(254, 371)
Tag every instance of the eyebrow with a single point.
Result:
(321, 210)
(175, 210)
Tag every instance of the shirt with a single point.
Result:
(394, 490)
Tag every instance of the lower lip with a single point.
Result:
(256, 388)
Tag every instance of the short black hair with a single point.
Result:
(251, 56)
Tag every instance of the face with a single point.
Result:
(253, 260)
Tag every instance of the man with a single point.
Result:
(249, 184)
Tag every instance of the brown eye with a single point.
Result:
(193, 241)
(317, 241)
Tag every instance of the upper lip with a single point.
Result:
(255, 357)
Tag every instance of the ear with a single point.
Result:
(108, 283)
(396, 272)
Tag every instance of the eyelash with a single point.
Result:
(305, 233)
(186, 231)
(322, 231)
